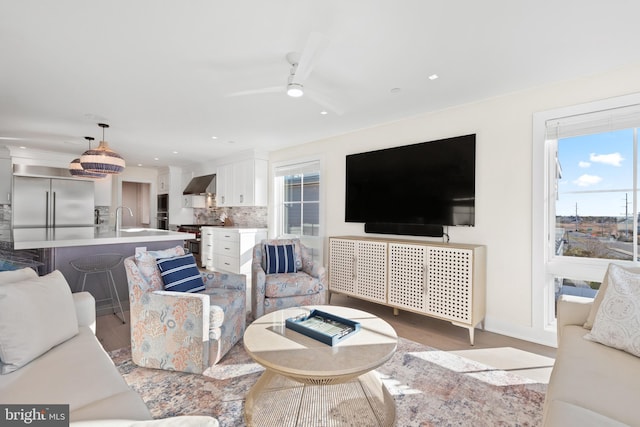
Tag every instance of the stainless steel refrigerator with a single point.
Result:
(52, 202)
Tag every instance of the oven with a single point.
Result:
(162, 221)
(162, 216)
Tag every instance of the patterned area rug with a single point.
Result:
(430, 388)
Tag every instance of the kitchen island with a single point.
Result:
(57, 247)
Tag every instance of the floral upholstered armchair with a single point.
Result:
(271, 290)
(182, 331)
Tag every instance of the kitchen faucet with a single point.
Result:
(119, 218)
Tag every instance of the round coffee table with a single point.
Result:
(309, 383)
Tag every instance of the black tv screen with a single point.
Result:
(426, 183)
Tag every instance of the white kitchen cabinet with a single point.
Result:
(445, 281)
(231, 249)
(6, 178)
(193, 201)
(206, 247)
(224, 185)
(242, 183)
(164, 180)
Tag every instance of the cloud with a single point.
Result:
(613, 159)
(587, 180)
(584, 164)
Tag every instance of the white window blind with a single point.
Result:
(297, 168)
(594, 122)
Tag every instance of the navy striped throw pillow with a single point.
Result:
(280, 259)
(180, 274)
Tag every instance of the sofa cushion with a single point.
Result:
(293, 284)
(146, 263)
(180, 274)
(12, 276)
(617, 322)
(600, 295)
(583, 369)
(82, 375)
(566, 414)
(35, 315)
(280, 259)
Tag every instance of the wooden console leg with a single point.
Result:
(471, 334)
(396, 311)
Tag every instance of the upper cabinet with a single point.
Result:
(243, 183)
(163, 182)
(6, 176)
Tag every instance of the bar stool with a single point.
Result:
(101, 263)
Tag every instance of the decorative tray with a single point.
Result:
(324, 327)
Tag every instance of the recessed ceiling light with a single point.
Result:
(324, 113)
(396, 90)
(156, 158)
(433, 76)
(23, 147)
(139, 164)
(175, 152)
(214, 137)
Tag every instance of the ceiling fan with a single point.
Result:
(301, 67)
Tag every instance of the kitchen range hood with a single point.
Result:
(201, 185)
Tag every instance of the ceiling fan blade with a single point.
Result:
(316, 43)
(272, 89)
(324, 102)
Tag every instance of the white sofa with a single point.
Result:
(76, 371)
(591, 384)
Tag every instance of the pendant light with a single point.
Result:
(103, 159)
(75, 168)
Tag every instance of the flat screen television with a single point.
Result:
(429, 183)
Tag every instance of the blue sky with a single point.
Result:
(597, 173)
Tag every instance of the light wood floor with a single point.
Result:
(522, 357)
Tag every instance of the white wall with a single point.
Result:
(503, 179)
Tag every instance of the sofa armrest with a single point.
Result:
(572, 310)
(85, 305)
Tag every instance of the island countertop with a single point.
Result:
(38, 238)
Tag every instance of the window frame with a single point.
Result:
(545, 265)
(314, 242)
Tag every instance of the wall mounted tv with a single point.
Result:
(413, 189)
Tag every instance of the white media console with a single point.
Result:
(441, 280)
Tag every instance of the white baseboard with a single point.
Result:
(521, 332)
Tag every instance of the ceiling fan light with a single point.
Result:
(294, 90)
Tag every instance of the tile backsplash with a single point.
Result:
(241, 216)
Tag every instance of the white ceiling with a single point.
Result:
(160, 72)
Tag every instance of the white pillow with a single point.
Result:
(17, 275)
(617, 321)
(601, 291)
(35, 315)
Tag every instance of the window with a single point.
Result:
(297, 201)
(584, 199)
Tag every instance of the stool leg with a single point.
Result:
(113, 283)
(84, 281)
